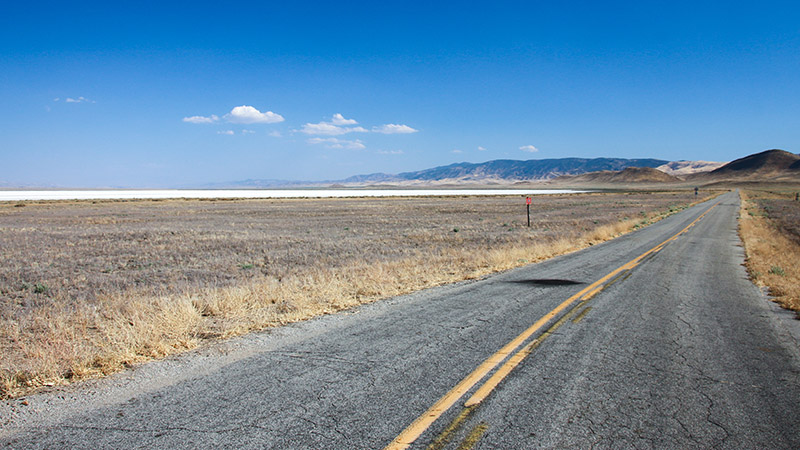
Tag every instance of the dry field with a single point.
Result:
(88, 288)
(770, 229)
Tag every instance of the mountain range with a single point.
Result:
(767, 165)
(507, 170)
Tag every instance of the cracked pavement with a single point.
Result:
(683, 352)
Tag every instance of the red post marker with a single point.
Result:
(528, 207)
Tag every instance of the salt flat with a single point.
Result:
(261, 193)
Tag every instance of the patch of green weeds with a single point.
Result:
(777, 270)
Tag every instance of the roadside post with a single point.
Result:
(528, 206)
(695, 192)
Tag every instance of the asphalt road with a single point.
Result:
(675, 349)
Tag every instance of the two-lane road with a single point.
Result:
(655, 339)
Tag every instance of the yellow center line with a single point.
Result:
(423, 422)
(514, 361)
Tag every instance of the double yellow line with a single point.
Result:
(423, 422)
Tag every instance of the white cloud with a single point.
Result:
(339, 125)
(331, 128)
(226, 132)
(338, 119)
(391, 128)
(74, 100)
(248, 132)
(275, 134)
(77, 100)
(355, 144)
(455, 150)
(201, 119)
(390, 152)
(529, 149)
(248, 114)
(482, 149)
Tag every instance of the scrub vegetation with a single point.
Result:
(770, 229)
(88, 288)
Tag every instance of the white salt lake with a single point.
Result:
(30, 195)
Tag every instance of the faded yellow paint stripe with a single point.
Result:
(474, 436)
(440, 442)
(423, 422)
(581, 315)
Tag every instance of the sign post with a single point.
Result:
(528, 206)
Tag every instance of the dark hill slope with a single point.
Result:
(767, 164)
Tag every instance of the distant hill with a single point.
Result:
(630, 175)
(768, 164)
(765, 167)
(507, 170)
(684, 168)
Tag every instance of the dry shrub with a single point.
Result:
(772, 256)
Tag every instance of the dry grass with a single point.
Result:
(88, 288)
(769, 224)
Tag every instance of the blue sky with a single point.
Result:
(152, 95)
